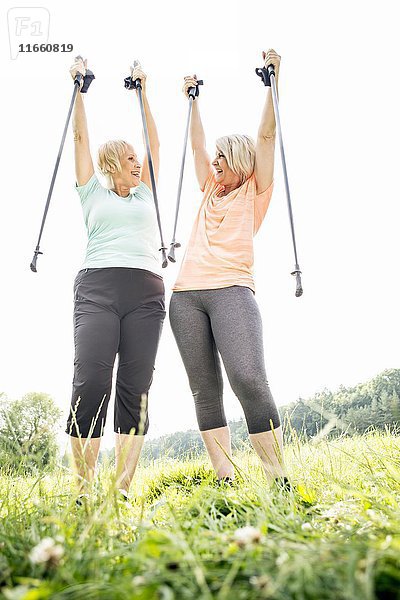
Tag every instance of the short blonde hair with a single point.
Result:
(240, 154)
(109, 157)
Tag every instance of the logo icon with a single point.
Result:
(27, 25)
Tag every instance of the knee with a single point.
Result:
(249, 387)
(209, 410)
(92, 375)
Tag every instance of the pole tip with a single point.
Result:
(164, 257)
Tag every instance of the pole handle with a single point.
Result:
(78, 76)
(193, 92)
(87, 79)
(137, 82)
(265, 74)
(131, 84)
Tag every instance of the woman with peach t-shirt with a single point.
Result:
(213, 310)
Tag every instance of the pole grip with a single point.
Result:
(193, 92)
(132, 85)
(265, 74)
(137, 84)
(87, 79)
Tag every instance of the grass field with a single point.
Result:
(337, 536)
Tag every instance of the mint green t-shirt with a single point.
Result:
(122, 232)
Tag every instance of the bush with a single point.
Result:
(28, 430)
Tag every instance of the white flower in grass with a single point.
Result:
(307, 527)
(331, 513)
(282, 558)
(47, 551)
(261, 582)
(247, 535)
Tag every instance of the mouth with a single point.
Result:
(218, 171)
(135, 173)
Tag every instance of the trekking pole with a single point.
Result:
(131, 84)
(268, 77)
(193, 92)
(87, 80)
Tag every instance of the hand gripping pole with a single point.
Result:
(193, 92)
(268, 77)
(131, 84)
(87, 80)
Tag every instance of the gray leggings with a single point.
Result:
(225, 321)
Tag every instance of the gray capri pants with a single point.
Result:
(224, 321)
(117, 310)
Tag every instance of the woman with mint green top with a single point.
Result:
(119, 303)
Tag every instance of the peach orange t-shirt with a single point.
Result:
(220, 250)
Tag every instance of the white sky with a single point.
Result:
(339, 99)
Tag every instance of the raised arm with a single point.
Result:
(202, 162)
(265, 146)
(137, 73)
(83, 160)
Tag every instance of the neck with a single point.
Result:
(121, 189)
(228, 188)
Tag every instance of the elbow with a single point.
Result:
(267, 136)
(198, 146)
(78, 137)
(154, 142)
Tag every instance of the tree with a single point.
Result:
(28, 429)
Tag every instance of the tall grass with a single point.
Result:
(335, 536)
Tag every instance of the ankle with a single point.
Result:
(123, 492)
(227, 480)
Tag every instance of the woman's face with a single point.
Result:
(223, 173)
(131, 167)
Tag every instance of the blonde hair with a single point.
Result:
(109, 157)
(240, 154)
